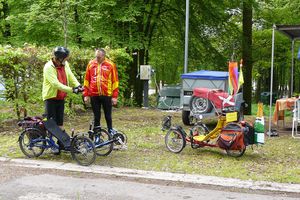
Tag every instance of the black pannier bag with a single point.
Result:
(32, 122)
(249, 135)
(35, 124)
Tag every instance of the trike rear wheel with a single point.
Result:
(83, 150)
(236, 153)
(32, 142)
(175, 141)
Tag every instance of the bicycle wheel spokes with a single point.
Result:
(199, 129)
(175, 141)
(32, 143)
(83, 150)
(102, 138)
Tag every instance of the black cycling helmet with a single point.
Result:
(61, 53)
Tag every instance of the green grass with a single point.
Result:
(278, 160)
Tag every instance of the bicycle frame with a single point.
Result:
(200, 136)
(199, 140)
(112, 140)
(34, 139)
(215, 132)
(105, 143)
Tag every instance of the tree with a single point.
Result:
(21, 69)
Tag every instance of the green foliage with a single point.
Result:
(21, 69)
(213, 37)
(155, 29)
(79, 58)
(122, 60)
(266, 14)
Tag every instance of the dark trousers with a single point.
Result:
(97, 102)
(55, 110)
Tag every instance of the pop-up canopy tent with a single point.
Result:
(293, 32)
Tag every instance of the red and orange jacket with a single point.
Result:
(101, 79)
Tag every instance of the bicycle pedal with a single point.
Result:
(194, 146)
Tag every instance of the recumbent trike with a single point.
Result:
(39, 134)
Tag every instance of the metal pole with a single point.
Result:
(271, 84)
(186, 46)
(292, 70)
(146, 89)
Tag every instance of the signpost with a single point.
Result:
(145, 75)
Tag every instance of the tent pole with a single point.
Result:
(271, 83)
(292, 70)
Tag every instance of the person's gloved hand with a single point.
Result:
(80, 88)
(75, 90)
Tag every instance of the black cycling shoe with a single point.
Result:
(55, 151)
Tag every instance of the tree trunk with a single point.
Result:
(258, 89)
(63, 8)
(76, 19)
(132, 72)
(247, 52)
(5, 9)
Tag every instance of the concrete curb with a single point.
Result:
(166, 176)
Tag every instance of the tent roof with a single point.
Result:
(292, 31)
(206, 74)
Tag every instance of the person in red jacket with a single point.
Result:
(101, 87)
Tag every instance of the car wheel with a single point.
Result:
(186, 118)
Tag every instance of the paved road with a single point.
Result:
(23, 183)
(53, 187)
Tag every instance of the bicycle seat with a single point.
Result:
(166, 122)
(199, 138)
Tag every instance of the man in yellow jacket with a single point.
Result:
(58, 80)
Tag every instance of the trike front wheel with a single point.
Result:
(83, 150)
(175, 141)
(103, 143)
(32, 143)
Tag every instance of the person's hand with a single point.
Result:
(114, 101)
(86, 99)
(75, 90)
(80, 88)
